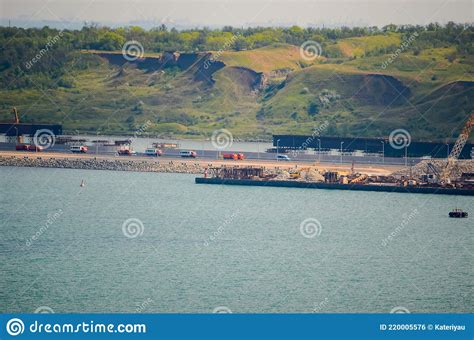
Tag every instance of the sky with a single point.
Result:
(238, 13)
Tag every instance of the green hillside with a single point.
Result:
(266, 59)
(361, 46)
(350, 88)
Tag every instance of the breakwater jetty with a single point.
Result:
(119, 164)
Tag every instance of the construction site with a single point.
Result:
(441, 176)
(453, 174)
(16, 131)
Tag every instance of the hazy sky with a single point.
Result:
(237, 12)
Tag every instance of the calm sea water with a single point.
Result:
(200, 247)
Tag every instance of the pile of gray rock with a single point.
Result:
(104, 164)
(461, 166)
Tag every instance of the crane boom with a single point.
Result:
(19, 138)
(17, 116)
(458, 146)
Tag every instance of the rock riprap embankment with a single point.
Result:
(104, 164)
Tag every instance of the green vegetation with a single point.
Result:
(367, 82)
(363, 46)
(265, 59)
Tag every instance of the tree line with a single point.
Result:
(19, 46)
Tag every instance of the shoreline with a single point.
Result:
(103, 164)
(162, 164)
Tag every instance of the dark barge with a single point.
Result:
(458, 213)
(338, 186)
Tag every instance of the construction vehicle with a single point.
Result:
(445, 177)
(433, 169)
(16, 115)
(79, 149)
(27, 147)
(296, 173)
(153, 152)
(359, 179)
(188, 154)
(233, 156)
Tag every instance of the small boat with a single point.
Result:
(458, 213)
(83, 183)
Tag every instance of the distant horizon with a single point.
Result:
(148, 25)
(185, 14)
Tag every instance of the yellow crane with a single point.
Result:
(17, 116)
(456, 151)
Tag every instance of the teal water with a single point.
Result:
(202, 247)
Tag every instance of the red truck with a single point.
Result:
(126, 152)
(234, 156)
(153, 152)
(27, 147)
(79, 149)
(188, 154)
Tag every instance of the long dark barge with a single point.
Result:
(337, 186)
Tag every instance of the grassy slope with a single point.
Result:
(173, 104)
(358, 47)
(427, 114)
(265, 59)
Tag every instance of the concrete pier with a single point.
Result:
(337, 186)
